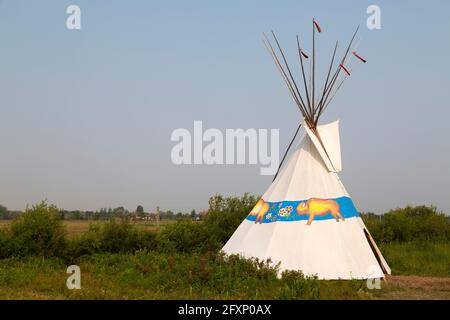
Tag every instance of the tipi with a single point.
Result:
(306, 220)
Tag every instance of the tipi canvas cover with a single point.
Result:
(307, 221)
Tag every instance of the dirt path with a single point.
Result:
(415, 287)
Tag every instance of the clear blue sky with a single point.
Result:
(86, 116)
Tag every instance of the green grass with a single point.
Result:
(153, 275)
(149, 275)
(424, 259)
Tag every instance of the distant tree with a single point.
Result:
(77, 215)
(169, 215)
(119, 212)
(193, 214)
(140, 211)
(3, 212)
(14, 214)
(104, 214)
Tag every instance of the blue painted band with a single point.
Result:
(322, 209)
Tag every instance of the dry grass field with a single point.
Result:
(416, 288)
(77, 227)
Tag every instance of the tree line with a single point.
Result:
(111, 213)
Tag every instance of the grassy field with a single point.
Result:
(157, 276)
(418, 259)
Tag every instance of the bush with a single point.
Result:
(421, 223)
(184, 235)
(4, 244)
(85, 244)
(3, 212)
(297, 286)
(189, 275)
(113, 237)
(226, 214)
(39, 231)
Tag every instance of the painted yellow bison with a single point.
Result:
(259, 210)
(319, 207)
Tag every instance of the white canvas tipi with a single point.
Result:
(306, 220)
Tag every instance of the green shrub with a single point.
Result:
(297, 286)
(85, 244)
(113, 237)
(184, 235)
(226, 214)
(188, 275)
(39, 231)
(120, 237)
(421, 223)
(4, 244)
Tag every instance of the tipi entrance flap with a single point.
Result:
(329, 133)
(320, 148)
